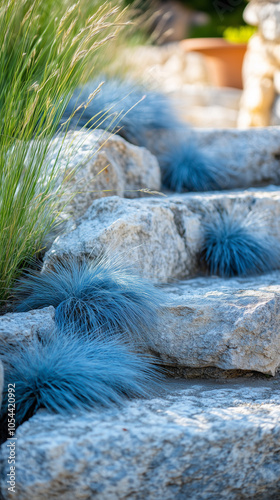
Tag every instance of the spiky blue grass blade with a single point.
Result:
(104, 295)
(135, 113)
(73, 373)
(186, 168)
(236, 244)
(125, 107)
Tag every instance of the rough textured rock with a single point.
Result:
(206, 322)
(252, 157)
(161, 237)
(201, 441)
(231, 324)
(18, 327)
(118, 168)
(146, 233)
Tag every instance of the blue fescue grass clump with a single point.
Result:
(186, 168)
(135, 112)
(120, 106)
(236, 244)
(102, 295)
(71, 373)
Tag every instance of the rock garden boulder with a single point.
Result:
(161, 237)
(248, 157)
(21, 327)
(198, 440)
(205, 323)
(252, 157)
(232, 324)
(118, 168)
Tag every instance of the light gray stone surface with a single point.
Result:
(18, 327)
(252, 157)
(145, 233)
(161, 237)
(118, 168)
(231, 324)
(198, 441)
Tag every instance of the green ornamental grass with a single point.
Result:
(47, 49)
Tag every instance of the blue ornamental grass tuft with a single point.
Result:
(103, 296)
(71, 373)
(186, 168)
(121, 106)
(134, 112)
(237, 244)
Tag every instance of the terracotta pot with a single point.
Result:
(224, 59)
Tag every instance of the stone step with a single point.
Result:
(231, 324)
(197, 440)
(208, 327)
(249, 157)
(161, 237)
(97, 164)
(252, 157)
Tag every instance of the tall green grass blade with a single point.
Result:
(47, 49)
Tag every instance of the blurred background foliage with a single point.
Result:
(218, 16)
